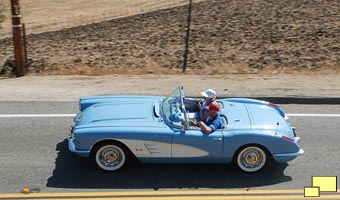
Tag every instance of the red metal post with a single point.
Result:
(17, 38)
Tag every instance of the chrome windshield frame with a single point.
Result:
(174, 105)
(182, 96)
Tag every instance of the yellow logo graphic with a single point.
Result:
(321, 184)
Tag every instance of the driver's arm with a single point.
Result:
(205, 128)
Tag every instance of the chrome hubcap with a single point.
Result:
(110, 157)
(251, 159)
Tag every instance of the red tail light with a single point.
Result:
(287, 138)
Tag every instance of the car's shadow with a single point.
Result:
(74, 172)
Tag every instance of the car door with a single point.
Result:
(194, 145)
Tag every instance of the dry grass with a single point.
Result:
(227, 37)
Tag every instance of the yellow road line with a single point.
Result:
(173, 194)
(290, 197)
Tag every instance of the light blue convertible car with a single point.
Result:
(155, 129)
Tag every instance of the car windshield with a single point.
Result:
(173, 110)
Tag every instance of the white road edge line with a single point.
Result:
(34, 115)
(72, 115)
(312, 115)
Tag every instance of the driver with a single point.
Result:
(214, 120)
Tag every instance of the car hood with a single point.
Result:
(118, 114)
(86, 102)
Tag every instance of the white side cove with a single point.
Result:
(152, 149)
(148, 149)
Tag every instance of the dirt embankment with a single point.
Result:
(227, 36)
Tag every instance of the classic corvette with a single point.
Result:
(156, 129)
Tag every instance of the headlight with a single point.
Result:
(80, 118)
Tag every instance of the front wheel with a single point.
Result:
(251, 159)
(110, 156)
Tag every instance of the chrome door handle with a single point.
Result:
(219, 140)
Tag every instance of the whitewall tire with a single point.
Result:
(110, 157)
(251, 159)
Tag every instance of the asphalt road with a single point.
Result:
(34, 154)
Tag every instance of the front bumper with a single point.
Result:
(72, 146)
(285, 157)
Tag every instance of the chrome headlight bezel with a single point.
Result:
(80, 118)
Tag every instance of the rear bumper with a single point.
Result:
(72, 148)
(285, 157)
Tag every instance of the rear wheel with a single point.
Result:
(251, 158)
(110, 156)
